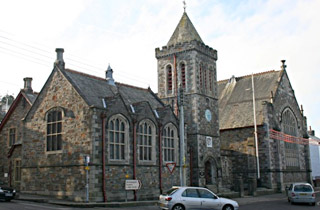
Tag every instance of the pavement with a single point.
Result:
(50, 200)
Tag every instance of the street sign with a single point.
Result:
(171, 166)
(133, 184)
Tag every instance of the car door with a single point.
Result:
(209, 200)
(190, 198)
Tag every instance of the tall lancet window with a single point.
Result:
(169, 78)
(289, 126)
(183, 75)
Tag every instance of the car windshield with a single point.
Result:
(302, 188)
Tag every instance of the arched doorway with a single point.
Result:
(210, 172)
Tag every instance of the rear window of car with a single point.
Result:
(171, 191)
(302, 188)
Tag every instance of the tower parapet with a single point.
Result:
(181, 48)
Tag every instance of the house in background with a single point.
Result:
(12, 133)
(314, 144)
(283, 149)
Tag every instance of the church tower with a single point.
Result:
(187, 64)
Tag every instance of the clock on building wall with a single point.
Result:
(208, 115)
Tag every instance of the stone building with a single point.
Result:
(283, 150)
(11, 135)
(187, 65)
(133, 133)
(127, 132)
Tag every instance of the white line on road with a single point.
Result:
(46, 207)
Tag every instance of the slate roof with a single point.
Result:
(184, 32)
(235, 98)
(93, 89)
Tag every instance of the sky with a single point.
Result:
(251, 36)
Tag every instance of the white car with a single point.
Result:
(301, 193)
(188, 198)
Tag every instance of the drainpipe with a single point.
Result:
(191, 166)
(134, 154)
(176, 82)
(103, 117)
(160, 158)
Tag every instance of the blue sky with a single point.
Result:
(249, 35)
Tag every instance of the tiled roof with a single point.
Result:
(235, 98)
(93, 89)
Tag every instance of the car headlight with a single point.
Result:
(14, 191)
(1, 190)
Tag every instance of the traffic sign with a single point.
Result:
(171, 166)
(133, 184)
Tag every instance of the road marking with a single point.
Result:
(43, 206)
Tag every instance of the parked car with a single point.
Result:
(301, 193)
(185, 198)
(6, 193)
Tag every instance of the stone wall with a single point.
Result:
(14, 121)
(58, 173)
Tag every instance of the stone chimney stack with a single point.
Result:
(27, 85)
(109, 77)
(59, 62)
(311, 132)
(283, 66)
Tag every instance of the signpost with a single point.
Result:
(171, 167)
(132, 184)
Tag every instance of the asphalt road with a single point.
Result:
(266, 205)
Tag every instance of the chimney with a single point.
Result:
(109, 77)
(283, 66)
(59, 62)
(27, 85)
(310, 131)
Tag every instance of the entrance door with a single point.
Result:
(209, 173)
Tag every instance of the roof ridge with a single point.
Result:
(102, 79)
(249, 75)
(131, 86)
(84, 74)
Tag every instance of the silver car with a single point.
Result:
(185, 198)
(301, 193)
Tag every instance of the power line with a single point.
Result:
(122, 75)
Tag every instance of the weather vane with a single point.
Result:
(184, 5)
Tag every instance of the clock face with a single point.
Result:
(208, 115)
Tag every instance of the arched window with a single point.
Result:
(289, 126)
(118, 129)
(169, 77)
(54, 130)
(210, 80)
(183, 75)
(170, 143)
(146, 141)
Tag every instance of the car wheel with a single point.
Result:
(227, 207)
(178, 207)
(313, 204)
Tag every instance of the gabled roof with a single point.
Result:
(184, 32)
(30, 98)
(235, 98)
(93, 89)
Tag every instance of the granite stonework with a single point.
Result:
(9, 154)
(237, 144)
(199, 97)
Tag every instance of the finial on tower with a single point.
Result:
(184, 5)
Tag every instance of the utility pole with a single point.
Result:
(255, 129)
(181, 123)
